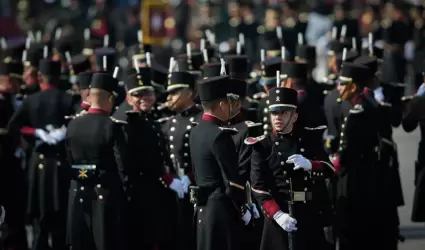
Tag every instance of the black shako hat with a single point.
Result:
(213, 88)
(50, 67)
(212, 69)
(107, 52)
(33, 55)
(268, 70)
(349, 57)
(190, 64)
(84, 80)
(237, 87)
(305, 53)
(139, 83)
(80, 63)
(354, 73)
(238, 66)
(294, 70)
(13, 69)
(180, 80)
(105, 81)
(369, 61)
(283, 99)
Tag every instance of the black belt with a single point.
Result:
(84, 172)
(200, 195)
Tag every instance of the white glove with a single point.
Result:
(247, 217)
(58, 134)
(3, 214)
(255, 211)
(379, 94)
(285, 221)
(177, 186)
(44, 136)
(300, 162)
(186, 183)
(421, 90)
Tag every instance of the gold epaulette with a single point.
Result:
(322, 127)
(357, 109)
(251, 124)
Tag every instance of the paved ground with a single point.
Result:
(407, 147)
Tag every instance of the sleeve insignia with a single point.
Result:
(251, 124)
(357, 109)
(322, 127)
(253, 140)
(117, 121)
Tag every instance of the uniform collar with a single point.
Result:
(359, 98)
(97, 111)
(212, 118)
(44, 87)
(192, 109)
(279, 135)
(85, 105)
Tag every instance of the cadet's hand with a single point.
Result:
(421, 90)
(2, 215)
(186, 183)
(300, 162)
(247, 217)
(379, 94)
(255, 211)
(58, 134)
(45, 137)
(177, 186)
(285, 221)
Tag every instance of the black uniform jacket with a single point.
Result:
(415, 115)
(271, 175)
(214, 158)
(97, 154)
(177, 130)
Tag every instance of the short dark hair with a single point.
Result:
(208, 105)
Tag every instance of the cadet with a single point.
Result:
(358, 155)
(413, 117)
(97, 153)
(150, 169)
(31, 61)
(219, 195)
(83, 83)
(282, 176)
(12, 176)
(42, 115)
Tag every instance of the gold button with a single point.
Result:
(40, 166)
(41, 156)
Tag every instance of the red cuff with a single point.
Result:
(27, 131)
(191, 177)
(271, 207)
(336, 163)
(316, 166)
(168, 178)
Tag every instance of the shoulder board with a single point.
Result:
(131, 112)
(233, 130)
(322, 127)
(407, 98)
(385, 104)
(398, 85)
(70, 117)
(261, 29)
(357, 109)
(194, 123)
(290, 22)
(163, 119)
(117, 121)
(234, 21)
(253, 140)
(251, 124)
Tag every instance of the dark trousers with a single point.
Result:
(51, 225)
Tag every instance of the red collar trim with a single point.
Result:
(301, 92)
(44, 87)
(84, 105)
(211, 118)
(97, 111)
(360, 97)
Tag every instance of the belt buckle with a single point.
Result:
(299, 196)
